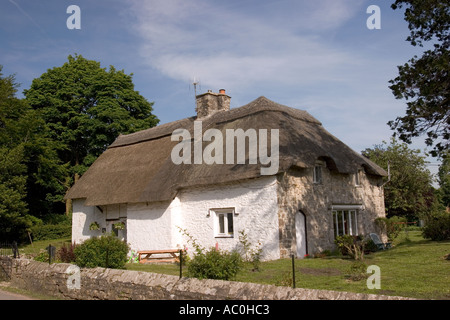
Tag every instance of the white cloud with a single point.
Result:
(236, 46)
(313, 55)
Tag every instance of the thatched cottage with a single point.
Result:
(152, 183)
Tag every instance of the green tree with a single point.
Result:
(85, 107)
(14, 218)
(444, 180)
(15, 133)
(22, 127)
(424, 82)
(409, 193)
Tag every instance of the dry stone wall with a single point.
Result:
(69, 282)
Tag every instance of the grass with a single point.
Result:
(32, 250)
(28, 293)
(414, 267)
(38, 246)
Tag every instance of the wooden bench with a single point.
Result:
(150, 256)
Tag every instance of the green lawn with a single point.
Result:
(414, 267)
(38, 246)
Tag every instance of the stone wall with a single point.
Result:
(5, 268)
(298, 192)
(69, 282)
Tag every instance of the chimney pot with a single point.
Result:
(210, 103)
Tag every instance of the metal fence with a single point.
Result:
(9, 249)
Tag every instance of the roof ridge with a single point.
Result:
(264, 104)
(260, 104)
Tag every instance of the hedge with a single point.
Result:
(51, 231)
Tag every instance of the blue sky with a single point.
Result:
(317, 56)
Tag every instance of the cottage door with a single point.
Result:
(300, 234)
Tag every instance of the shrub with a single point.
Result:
(51, 231)
(357, 271)
(352, 246)
(66, 253)
(370, 246)
(250, 255)
(437, 227)
(106, 251)
(212, 264)
(53, 218)
(391, 226)
(42, 256)
(215, 264)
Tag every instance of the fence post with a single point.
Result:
(293, 271)
(51, 253)
(15, 250)
(181, 263)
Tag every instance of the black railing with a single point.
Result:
(9, 249)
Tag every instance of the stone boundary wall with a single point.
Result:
(67, 281)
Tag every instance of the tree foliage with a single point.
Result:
(444, 180)
(69, 116)
(425, 82)
(85, 108)
(15, 132)
(409, 193)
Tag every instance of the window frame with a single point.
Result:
(318, 172)
(345, 222)
(222, 226)
(357, 178)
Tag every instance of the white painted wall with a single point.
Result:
(82, 217)
(154, 226)
(255, 201)
(149, 226)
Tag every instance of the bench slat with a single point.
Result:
(147, 256)
(159, 251)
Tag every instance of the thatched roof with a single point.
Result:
(138, 167)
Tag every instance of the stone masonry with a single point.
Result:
(60, 280)
(298, 192)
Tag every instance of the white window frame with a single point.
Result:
(358, 175)
(318, 172)
(345, 221)
(222, 226)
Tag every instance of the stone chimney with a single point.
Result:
(210, 103)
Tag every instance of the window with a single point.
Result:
(317, 177)
(317, 173)
(223, 222)
(345, 222)
(358, 177)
